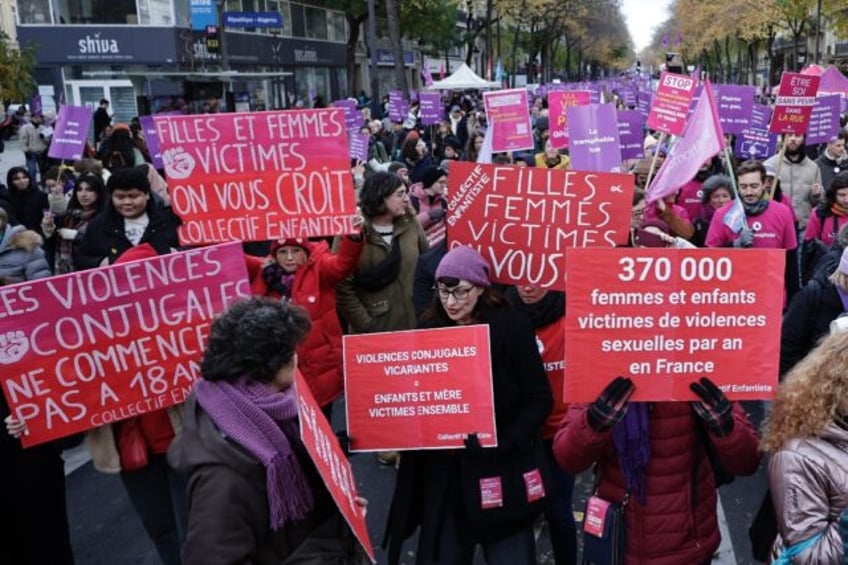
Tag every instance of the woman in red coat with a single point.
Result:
(306, 273)
(656, 455)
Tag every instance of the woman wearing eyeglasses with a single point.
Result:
(441, 491)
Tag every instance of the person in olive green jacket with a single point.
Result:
(377, 297)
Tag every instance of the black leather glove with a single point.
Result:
(714, 408)
(436, 214)
(611, 405)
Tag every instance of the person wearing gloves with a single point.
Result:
(428, 200)
(655, 460)
(440, 491)
(806, 434)
(88, 199)
(768, 224)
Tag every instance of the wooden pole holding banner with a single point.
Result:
(732, 174)
(654, 161)
(780, 155)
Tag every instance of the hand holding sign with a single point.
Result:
(714, 408)
(16, 428)
(611, 405)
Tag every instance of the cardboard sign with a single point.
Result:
(423, 389)
(70, 133)
(398, 107)
(558, 102)
(735, 104)
(667, 317)
(359, 145)
(671, 103)
(522, 219)
(794, 104)
(824, 119)
(643, 103)
(431, 110)
(595, 145)
(756, 142)
(258, 176)
(353, 117)
(95, 347)
(509, 118)
(330, 461)
(630, 136)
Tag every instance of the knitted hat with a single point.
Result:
(465, 264)
(645, 238)
(431, 175)
(304, 244)
(712, 184)
(412, 135)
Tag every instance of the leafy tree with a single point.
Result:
(17, 67)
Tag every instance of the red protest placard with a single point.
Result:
(794, 104)
(667, 317)
(522, 219)
(508, 115)
(558, 102)
(423, 389)
(670, 105)
(258, 176)
(95, 347)
(330, 461)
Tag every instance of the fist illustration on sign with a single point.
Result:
(13, 346)
(178, 163)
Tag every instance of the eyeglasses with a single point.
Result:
(460, 293)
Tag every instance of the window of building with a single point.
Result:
(95, 11)
(34, 11)
(315, 22)
(155, 12)
(338, 27)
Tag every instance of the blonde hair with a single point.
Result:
(839, 279)
(811, 396)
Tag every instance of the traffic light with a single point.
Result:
(213, 41)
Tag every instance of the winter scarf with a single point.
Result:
(278, 279)
(546, 311)
(755, 209)
(838, 210)
(632, 437)
(263, 422)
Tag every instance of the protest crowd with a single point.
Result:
(225, 476)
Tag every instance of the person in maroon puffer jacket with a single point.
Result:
(656, 453)
(306, 273)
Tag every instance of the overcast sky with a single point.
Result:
(642, 17)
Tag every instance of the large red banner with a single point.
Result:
(794, 104)
(667, 317)
(558, 102)
(523, 219)
(258, 176)
(330, 461)
(423, 389)
(670, 104)
(509, 118)
(95, 347)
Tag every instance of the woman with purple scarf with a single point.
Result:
(656, 460)
(254, 495)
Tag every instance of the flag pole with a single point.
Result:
(654, 160)
(732, 174)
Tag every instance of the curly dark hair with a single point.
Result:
(374, 192)
(255, 337)
(839, 181)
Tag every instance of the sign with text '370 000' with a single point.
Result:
(258, 176)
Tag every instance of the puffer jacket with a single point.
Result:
(795, 181)
(314, 288)
(21, 256)
(678, 524)
(389, 308)
(808, 480)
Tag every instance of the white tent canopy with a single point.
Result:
(463, 79)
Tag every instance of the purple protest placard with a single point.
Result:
(35, 105)
(148, 130)
(824, 121)
(760, 116)
(358, 145)
(628, 95)
(594, 141)
(735, 104)
(353, 117)
(643, 103)
(630, 134)
(70, 132)
(755, 143)
(431, 110)
(398, 107)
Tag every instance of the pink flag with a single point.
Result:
(701, 140)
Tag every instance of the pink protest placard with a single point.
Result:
(558, 102)
(794, 105)
(98, 346)
(509, 118)
(670, 104)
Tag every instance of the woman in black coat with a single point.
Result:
(440, 490)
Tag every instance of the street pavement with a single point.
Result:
(106, 531)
